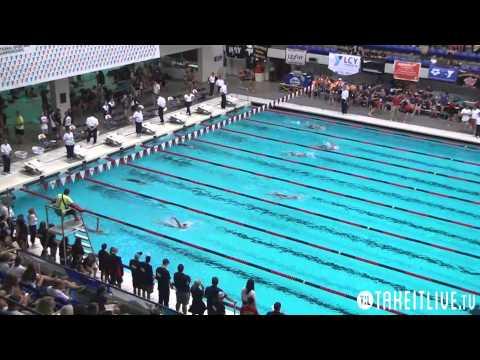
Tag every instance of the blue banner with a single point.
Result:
(441, 73)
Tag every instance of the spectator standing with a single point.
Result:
(466, 114)
(211, 83)
(92, 128)
(198, 307)
(249, 308)
(77, 253)
(19, 128)
(52, 242)
(181, 282)
(21, 233)
(188, 101)
(134, 266)
(276, 309)
(248, 292)
(223, 93)
(44, 124)
(161, 103)
(103, 259)
(137, 117)
(116, 268)
(6, 151)
(67, 120)
(100, 78)
(32, 225)
(212, 295)
(148, 279)
(345, 94)
(69, 141)
(163, 278)
(219, 82)
(476, 118)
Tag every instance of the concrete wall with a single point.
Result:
(210, 59)
(57, 88)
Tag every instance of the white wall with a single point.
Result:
(207, 63)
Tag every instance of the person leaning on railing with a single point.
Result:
(64, 205)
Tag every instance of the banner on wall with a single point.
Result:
(442, 73)
(295, 56)
(23, 65)
(467, 79)
(405, 70)
(344, 64)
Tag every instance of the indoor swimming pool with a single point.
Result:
(315, 210)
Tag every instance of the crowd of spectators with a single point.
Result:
(401, 102)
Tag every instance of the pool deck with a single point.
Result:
(452, 135)
(55, 161)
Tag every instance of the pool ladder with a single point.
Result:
(71, 227)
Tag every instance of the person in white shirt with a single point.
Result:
(92, 128)
(345, 95)
(219, 83)
(67, 120)
(161, 103)
(44, 124)
(223, 92)
(32, 225)
(476, 118)
(466, 114)
(58, 291)
(137, 117)
(17, 269)
(211, 82)
(188, 101)
(69, 141)
(6, 151)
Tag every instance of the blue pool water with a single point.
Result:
(241, 218)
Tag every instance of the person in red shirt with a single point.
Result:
(396, 101)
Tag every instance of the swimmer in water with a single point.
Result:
(174, 222)
(318, 127)
(136, 181)
(285, 196)
(300, 154)
(328, 146)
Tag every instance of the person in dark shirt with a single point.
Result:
(198, 307)
(211, 293)
(134, 266)
(163, 278)
(77, 253)
(276, 309)
(147, 280)
(102, 263)
(181, 282)
(115, 268)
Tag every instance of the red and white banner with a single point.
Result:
(408, 71)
